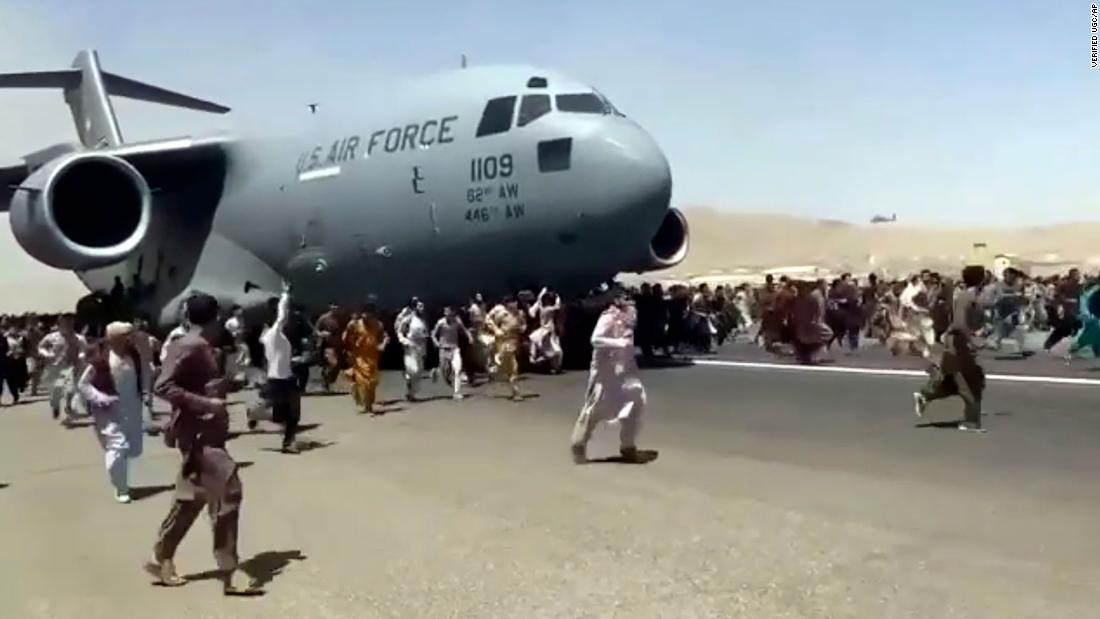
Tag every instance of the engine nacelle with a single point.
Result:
(669, 246)
(82, 211)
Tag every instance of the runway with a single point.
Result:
(775, 494)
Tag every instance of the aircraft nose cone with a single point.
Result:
(638, 173)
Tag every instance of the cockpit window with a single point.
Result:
(611, 107)
(497, 117)
(532, 107)
(582, 103)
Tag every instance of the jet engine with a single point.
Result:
(669, 246)
(82, 211)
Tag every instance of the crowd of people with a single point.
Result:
(541, 332)
(110, 372)
(806, 318)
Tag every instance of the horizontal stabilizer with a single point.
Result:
(41, 79)
(133, 89)
(87, 89)
(114, 84)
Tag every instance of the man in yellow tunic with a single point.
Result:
(364, 340)
(506, 323)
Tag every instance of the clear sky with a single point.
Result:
(937, 110)
(945, 112)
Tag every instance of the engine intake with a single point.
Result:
(82, 211)
(669, 246)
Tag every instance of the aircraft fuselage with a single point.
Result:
(441, 190)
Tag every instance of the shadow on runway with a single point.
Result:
(645, 456)
(144, 492)
(523, 397)
(24, 401)
(245, 464)
(74, 425)
(263, 568)
(326, 394)
(303, 446)
(430, 398)
(661, 363)
(379, 411)
(940, 425)
(954, 425)
(235, 434)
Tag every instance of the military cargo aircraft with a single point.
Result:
(481, 179)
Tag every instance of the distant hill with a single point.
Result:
(720, 240)
(723, 240)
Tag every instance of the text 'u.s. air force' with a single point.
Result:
(394, 139)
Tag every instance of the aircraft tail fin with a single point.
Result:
(87, 90)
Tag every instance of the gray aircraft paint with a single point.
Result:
(428, 216)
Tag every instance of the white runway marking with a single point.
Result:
(834, 369)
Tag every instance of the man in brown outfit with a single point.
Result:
(958, 371)
(192, 382)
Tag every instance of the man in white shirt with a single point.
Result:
(181, 330)
(282, 386)
(545, 341)
(914, 311)
(445, 336)
(112, 385)
(62, 350)
(482, 342)
(241, 358)
(615, 393)
(412, 332)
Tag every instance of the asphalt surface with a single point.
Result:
(774, 494)
(873, 355)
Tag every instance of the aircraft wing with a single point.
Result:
(165, 164)
(9, 180)
(168, 164)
